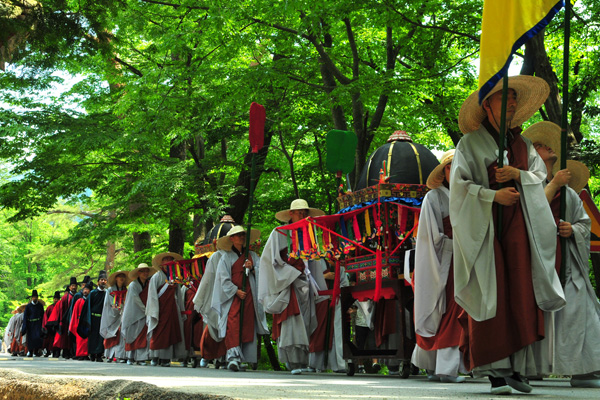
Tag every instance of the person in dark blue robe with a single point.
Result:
(96, 303)
(32, 325)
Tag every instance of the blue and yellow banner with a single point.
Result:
(505, 27)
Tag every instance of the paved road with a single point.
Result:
(267, 385)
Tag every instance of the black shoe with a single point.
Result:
(499, 386)
(516, 382)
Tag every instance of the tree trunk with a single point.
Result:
(596, 270)
(178, 218)
(110, 256)
(537, 61)
(141, 241)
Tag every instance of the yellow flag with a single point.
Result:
(505, 27)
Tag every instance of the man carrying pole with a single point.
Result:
(503, 268)
(575, 348)
(229, 297)
(504, 282)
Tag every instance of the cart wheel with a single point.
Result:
(254, 366)
(351, 369)
(406, 368)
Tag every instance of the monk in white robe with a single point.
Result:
(436, 313)
(575, 348)
(110, 324)
(164, 314)
(284, 291)
(133, 323)
(229, 294)
(211, 347)
(503, 283)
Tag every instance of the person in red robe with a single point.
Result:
(48, 346)
(59, 320)
(81, 343)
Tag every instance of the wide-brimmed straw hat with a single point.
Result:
(298, 204)
(531, 91)
(580, 174)
(19, 309)
(112, 278)
(157, 260)
(224, 243)
(437, 176)
(546, 133)
(134, 273)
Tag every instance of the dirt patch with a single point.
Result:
(15, 385)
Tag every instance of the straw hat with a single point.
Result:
(224, 243)
(531, 94)
(157, 260)
(298, 204)
(134, 273)
(19, 309)
(437, 176)
(546, 133)
(112, 278)
(580, 174)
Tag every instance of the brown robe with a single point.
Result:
(167, 332)
(449, 331)
(518, 321)
(232, 337)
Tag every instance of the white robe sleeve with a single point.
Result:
(276, 276)
(433, 257)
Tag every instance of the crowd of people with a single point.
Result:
(488, 300)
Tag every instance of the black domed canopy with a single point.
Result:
(219, 230)
(406, 162)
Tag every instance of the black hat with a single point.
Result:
(34, 293)
(102, 275)
(86, 279)
(73, 281)
(89, 285)
(56, 295)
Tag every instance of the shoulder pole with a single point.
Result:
(563, 137)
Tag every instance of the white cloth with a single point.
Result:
(203, 298)
(473, 228)
(133, 320)
(225, 290)
(177, 350)
(433, 257)
(110, 324)
(9, 332)
(577, 326)
(276, 281)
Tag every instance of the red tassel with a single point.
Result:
(378, 268)
(257, 126)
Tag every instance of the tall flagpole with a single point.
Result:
(563, 136)
(501, 138)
